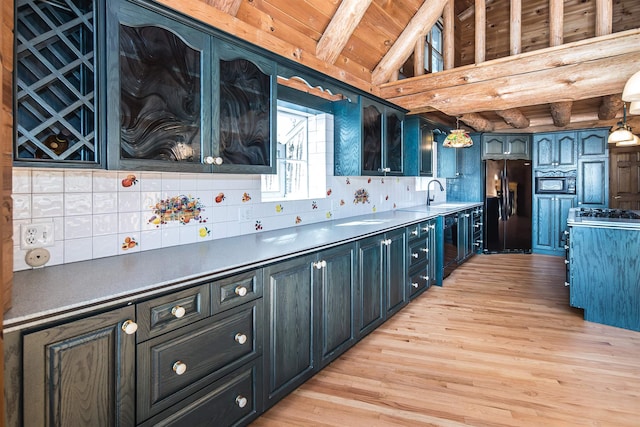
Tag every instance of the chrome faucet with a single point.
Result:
(429, 198)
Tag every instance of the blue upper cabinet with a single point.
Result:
(245, 112)
(368, 138)
(181, 100)
(419, 145)
(555, 150)
(592, 186)
(506, 146)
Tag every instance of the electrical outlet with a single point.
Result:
(245, 213)
(36, 235)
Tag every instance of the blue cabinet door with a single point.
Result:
(550, 214)
(593, 183)
(555, 150)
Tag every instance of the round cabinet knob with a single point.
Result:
(241, 401)
(240, 291)
(129, 327)
(178, 311)
(424, 277)
(425, 229)
(425, 250)
(566, 261)
(210, 160)
(240, 338)
(432, 226)
(414, 255)
(179, 368)
(414, 233)
(415, 285)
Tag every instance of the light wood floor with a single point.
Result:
(497, 345)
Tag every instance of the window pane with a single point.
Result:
(436, 38)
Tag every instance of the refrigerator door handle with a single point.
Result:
(504, 202)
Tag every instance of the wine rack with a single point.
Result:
(55, 82)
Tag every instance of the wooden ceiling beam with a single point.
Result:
(340, 28)
(514, 117)
(590, 68)
(610, 106)
(561, 113)
(478, 122)
(227, 6)
(418, 27)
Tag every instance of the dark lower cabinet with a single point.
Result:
(81, 373)
(335, 274)
(231, 401)
(382, 278)
(289, 344)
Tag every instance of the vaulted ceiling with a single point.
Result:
(510, 65)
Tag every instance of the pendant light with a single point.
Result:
(622, 136)
(634, 108)
(631, 90)
(458, 138)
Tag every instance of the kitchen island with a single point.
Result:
(604, 260)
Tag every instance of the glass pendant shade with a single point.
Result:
(634, 108)
(631, 90)
(628, 143)
(621, 135)
(458, 138)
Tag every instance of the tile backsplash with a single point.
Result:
(107, 213)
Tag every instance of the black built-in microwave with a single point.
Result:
(556, 184)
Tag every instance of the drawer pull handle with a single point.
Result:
(241, 401)
(386, 242)
(424, 277)
(240, 338)
(425, 229)
(414, 255)
(414, 233)
(178, 311)
(432, 226)
(241, 291)
(129, 327)
(425, 250)
(415, 285)
(179, 368)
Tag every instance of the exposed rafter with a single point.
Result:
(477, 122)
(561, 113)
(418, 27)
(340, 28)
(609, 107)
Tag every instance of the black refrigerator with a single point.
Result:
(507, 209)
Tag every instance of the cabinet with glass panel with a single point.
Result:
(183, 100)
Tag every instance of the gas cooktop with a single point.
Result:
(606, 213)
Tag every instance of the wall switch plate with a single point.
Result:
(37, 257)
(36, 235)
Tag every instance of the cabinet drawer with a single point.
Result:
(419, 280)
(418, 231)
(173, 366)
(418, 252)
(229, 401)
(235, 290)
(169, 312)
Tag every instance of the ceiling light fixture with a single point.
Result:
(622, 136)
(458, 138)
(634, 108)
(631, 90)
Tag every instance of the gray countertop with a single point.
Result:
(56, 292)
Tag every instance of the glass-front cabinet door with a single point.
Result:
(382, 138)
(245, 140)
(182, 99)
(158, 103)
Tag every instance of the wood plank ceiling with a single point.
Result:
(510, 65)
